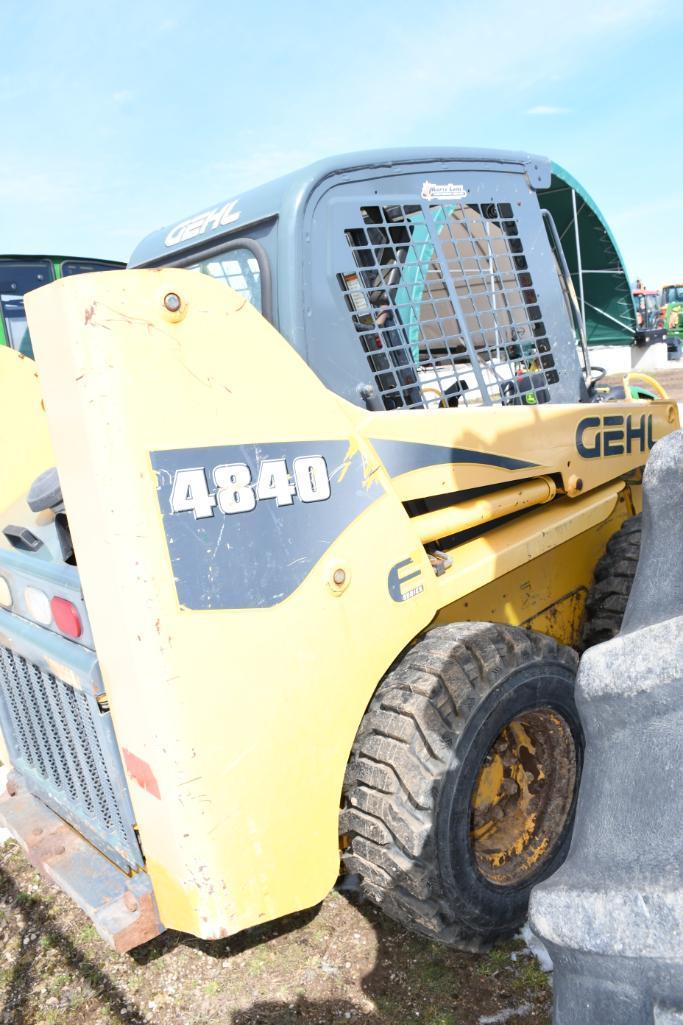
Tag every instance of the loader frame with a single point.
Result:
(523, 505)
(269, 510)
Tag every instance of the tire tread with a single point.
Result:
(613, 579)
(403, 749)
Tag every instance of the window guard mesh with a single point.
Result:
(445, 308)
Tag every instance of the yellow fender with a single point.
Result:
(235, 724)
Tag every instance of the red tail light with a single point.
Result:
(66, 617)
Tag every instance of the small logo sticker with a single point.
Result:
(396, 580)
(218, 218)
(430, 190)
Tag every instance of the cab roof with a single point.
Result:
(290, 192)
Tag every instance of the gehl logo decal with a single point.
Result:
(218, 218)
(614, 435)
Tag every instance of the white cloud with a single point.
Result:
(122, 96)
(545, 111)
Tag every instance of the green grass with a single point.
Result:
(531, 976)
(56, 983)
(257, 960)
(436, 975)
(441, 1018)
(87, 934)
(26, 900)
(495, 961)
(390, 1007)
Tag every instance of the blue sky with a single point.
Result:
(120, 118)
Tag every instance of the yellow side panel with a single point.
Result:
(26, 446)
(245, 717)
(545, 593)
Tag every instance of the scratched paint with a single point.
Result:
(257, 558)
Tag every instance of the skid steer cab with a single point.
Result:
(329, 510)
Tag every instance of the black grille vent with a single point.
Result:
(63, 746)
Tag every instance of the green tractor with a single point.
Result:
(671, 311)
(21, 274)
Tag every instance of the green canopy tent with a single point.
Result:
(594, 260)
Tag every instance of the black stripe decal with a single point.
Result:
(403, 456)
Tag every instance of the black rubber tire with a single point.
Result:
(414, 766)
(614, 573)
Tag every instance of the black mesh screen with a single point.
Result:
(445, 308)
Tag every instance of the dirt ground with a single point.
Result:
(671, 380)
(336, 963)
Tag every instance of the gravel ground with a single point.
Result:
(671, 380)
(336, 963)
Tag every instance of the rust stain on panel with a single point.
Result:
(141, 771)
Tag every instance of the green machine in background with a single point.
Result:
(671, 312)
(21, 274)
(594, 261)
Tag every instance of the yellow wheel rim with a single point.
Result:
(523, 797)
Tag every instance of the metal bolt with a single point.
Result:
(339, 576)
(172, 302)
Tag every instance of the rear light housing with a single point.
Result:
(38, 605)
(66, 617)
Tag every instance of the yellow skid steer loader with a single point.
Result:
(306, 582)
